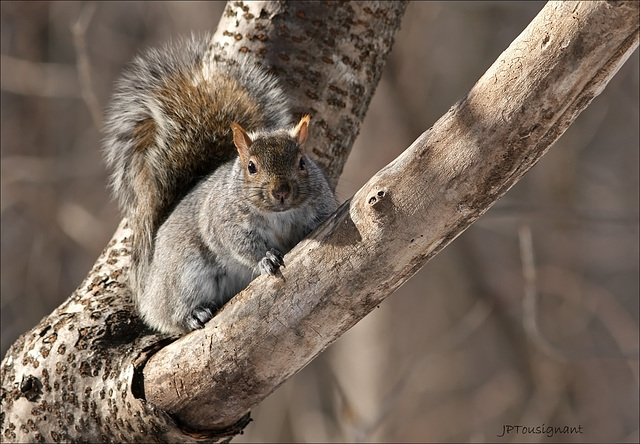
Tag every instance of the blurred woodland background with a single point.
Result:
(464, 348)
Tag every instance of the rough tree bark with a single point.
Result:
(73, 376)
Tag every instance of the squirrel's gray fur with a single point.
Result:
(210, 207)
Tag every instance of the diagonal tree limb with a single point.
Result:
(401, 218)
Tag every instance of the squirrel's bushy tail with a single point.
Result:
(168, 126)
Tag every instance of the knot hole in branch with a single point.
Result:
(376, 197)
(380, 204)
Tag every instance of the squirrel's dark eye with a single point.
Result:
(302, 164)
(252, 167)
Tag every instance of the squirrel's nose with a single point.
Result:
(282, 192)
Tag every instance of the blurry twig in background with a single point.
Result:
(530, 300)
(346, 416)
(346, 413)
(454, 338)
(583, 216)
(608, 315)
(78, 29)
(51, 80)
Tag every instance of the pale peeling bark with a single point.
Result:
(77, 376)
(401, 218)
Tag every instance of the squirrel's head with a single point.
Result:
(275, 166)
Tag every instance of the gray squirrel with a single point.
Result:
(212, 177)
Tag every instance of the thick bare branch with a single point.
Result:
(401, 218)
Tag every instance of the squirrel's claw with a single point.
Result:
(198, 317)
(272, 261)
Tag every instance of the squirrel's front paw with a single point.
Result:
(272, 261)
(198, 317)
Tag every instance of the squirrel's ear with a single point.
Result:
(241, 140)
(301, 131)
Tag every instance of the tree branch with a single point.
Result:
(401, 218)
